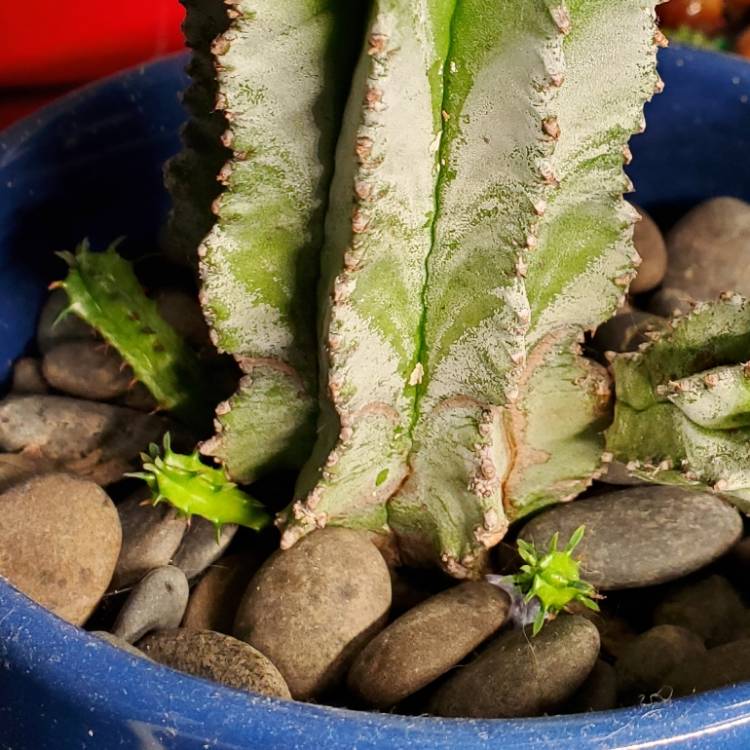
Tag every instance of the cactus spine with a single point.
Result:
(280, 70)
(458, 408)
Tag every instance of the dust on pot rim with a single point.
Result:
(58, 683)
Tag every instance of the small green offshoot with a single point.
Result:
(195, 488)
(104, 291)
(553, 578)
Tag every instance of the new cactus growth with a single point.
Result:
(553, 578)
(194, 488)
(682, 414)
(103, 289)
(476, 229)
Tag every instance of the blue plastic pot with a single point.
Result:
(90, 165)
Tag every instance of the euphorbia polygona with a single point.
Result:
(472, 230)
(682, 414)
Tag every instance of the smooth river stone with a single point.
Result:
(85, 435)
(312, 608)
(150, 537)
(724, 665)
(709, 249)
(157, 602)
(709, 607)
(27, 376)
(649, 658)
(598, 692)
(87, 369)
(59, 541)
(426, 642)
(517, 675)
(215, 598)
(200, 546)
(217, 657)
(641, 536)
(652, 249)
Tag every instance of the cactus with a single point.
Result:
(102, 289)
(281, 70)
(552, 578)
(682, 411)
(190, 176)
(478, 231)
(194, 488)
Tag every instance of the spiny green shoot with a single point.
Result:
(553, 578)
(104, 291)
(195, 488)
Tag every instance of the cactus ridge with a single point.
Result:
(104, 291)
(457, 295)
(279, 69)
(190, 175)
(682, 414)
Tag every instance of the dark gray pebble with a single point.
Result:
(517, 675)
(724, 665)
(201, 546)
(598, 692)
(641, 536)
(87, 369)
(710, 607)
(157, 602)
(647, 660)
(27, 376)
(150, 537)
(426, 642)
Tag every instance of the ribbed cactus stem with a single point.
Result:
(378, 238)
(682, 414)
(281, 68)
(190, 175)
(477, 233)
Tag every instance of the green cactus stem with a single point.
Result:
(104, 291)
(553, 578)
(190, 175)
(682, 414)
(475, 236)
(194, 488)
(282, 69)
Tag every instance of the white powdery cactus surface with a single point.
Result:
(280, 69)
(458, 399)
(378, 237)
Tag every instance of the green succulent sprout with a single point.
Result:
(104, 291)
(553, 578)
(194, 488)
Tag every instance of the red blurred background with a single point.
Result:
(50, 46)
